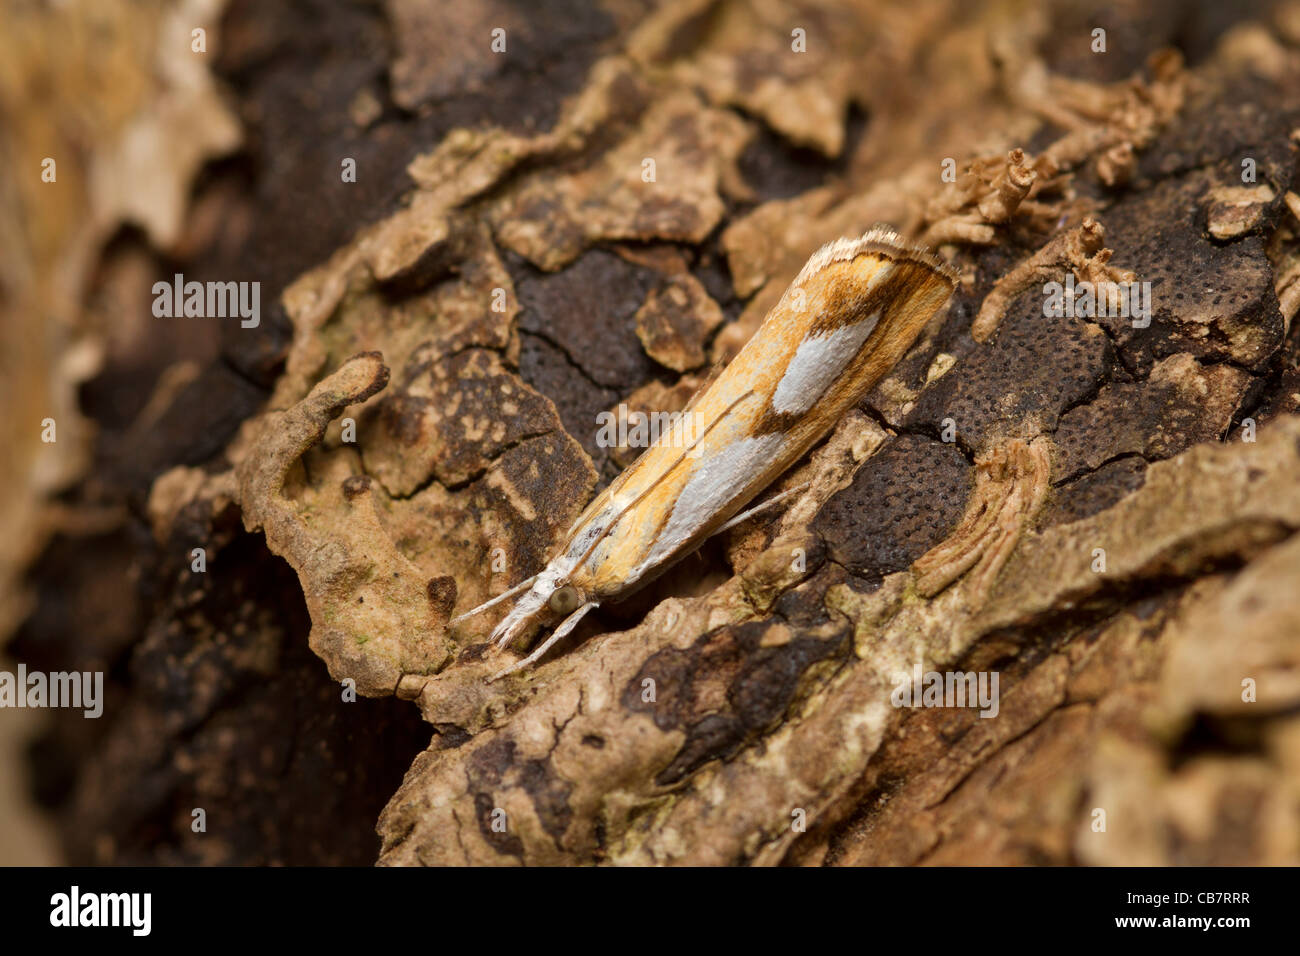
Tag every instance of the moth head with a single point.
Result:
(551, 599)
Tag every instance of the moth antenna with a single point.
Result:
(521, 586)
(714, 371)
(654, 484)
(774, 500)
(567, 625)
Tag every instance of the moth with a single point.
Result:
(851, 313)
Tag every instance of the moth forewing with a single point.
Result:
(849, 316)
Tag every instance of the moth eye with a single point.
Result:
(565, 600)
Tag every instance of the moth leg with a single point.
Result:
(567, 625)
(521, 586)
(775, 499)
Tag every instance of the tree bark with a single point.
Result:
(1096, 510)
